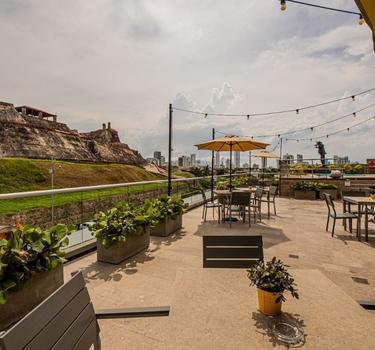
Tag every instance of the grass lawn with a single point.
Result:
(13, 206)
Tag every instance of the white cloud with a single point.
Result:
(93, 61)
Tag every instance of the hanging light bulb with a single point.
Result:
(353, 97)
(248, 117)
(361, 20)
(310, 140)
(278, 136)
(348, 129)
(283, 5)
(327, 136)
(205, 115)
(297, 111)
(312, 128)
(354, 114)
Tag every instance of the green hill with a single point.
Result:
(18, 175)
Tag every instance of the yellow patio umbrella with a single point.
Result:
(265, 155)
(367, 8)
(231, 143)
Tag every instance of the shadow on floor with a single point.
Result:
(265, 324)
(166, 241)
(271, 235)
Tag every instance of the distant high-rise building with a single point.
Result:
(237, 159)
(289, 158)
(157, 155)
(217, 160)
(162, 160)
(340, 160)
(193, 160)
(299, 158)
(227, 163)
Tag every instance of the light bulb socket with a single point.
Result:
(361, 20)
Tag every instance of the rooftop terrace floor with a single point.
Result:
(296, 235)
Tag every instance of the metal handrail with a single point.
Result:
(101, 187)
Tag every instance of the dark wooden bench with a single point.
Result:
(66, 320)
(232, 251)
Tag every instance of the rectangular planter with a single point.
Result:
(31, 294)
(167, 226)
(310, 195)
(124, 250)
(332, 192)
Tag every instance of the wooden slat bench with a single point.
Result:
(232, 251)
(66, 320)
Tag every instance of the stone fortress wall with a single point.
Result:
(30, 133)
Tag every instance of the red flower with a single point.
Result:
(3, 235)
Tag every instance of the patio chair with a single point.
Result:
(66, 320)
(241, 202)
(271, 195)
(209, 204)
(232, 251)
(256, 203)
(226, 206)
(333, 214)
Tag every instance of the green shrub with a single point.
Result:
(304, 186)
(272, 277)
(26, 250)
(326, 186)
(125, 219)
(165, 206)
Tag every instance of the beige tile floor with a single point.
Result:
(148, 279)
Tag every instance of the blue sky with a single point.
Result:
(93, 61)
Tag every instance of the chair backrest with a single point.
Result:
(65, 320)
(358, 192)
(225, 199)
(259, 193)
(253, 182)
(203, 195)
(329, 202)
(273, 191)
(232, 251)
(241, 198)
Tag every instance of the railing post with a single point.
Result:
(170, 151)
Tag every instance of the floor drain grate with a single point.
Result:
(360, 280)
(293, 256)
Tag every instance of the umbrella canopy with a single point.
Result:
(232, 143)
(265, 154)
(367, 8)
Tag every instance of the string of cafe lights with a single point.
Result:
(348, 129)
(295, 110)
(283, 7)
(311, 128)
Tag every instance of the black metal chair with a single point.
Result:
(271, 195)
(241, 203)
(226, 206)
(208, 205)
(333, 214)
(256, 203)
(232, 251)
(66, 320)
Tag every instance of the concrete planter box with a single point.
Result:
(31, 294)
(167, 226)
(124, 250)
(310, 195)
(332, 192)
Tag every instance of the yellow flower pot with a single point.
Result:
(267, 303)
(372, 195)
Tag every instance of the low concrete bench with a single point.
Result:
(66, 320)
(232, 251)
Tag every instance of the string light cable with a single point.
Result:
(312, 127)
(295, 110)
(333, 133)
(283, 7)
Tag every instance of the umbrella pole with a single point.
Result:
(249, 164)
(230, 168)
(212, 168)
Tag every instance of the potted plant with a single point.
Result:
(30, 268)
(329, 188)
(272, 280)
(167, 214)
(122, 232)
(304, 190)
(372, 192)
